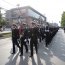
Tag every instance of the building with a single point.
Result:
(25, 14)
(53, 25)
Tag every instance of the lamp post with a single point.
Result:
(18, 12)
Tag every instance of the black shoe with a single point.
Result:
(19, 49)
(31, 56)
(46, 45)
(12, 53)
(21, 54)
(26, 51)
(36, 52)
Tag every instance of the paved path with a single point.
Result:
(4, 32)
(53, 55)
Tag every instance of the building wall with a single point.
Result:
(24, 15)
(15, 14)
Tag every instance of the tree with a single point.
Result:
(2, 21)
(63, 19)
(0, 18)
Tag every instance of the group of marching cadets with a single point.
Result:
(64, 29)
(21, 36)
(50, 33)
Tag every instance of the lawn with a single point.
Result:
(5, 35)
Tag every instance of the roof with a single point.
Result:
(28, 7)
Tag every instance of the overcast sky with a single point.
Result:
(52, 9)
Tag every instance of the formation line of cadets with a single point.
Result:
(21, 36)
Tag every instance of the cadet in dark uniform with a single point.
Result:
(47, 38)
(23, 39)
(39, 32)
(15, 36)
(64, 29)
(33, 41)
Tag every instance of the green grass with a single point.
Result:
(5, 35)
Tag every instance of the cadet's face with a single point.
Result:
(14, 26)
(24, 26)
(33, 25)
(38, 26)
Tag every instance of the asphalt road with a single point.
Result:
(53, 55)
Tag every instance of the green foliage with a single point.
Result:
(63, 19)
(2, 21)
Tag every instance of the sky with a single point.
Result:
(52, 9)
